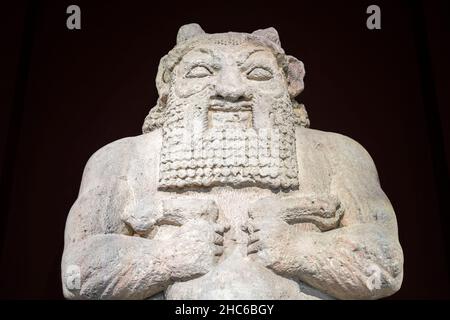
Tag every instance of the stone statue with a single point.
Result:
(228, 194)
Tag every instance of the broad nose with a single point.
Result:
(230, 87)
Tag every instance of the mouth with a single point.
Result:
(230, 115)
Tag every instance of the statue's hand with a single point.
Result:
(324, 211)
(142, 215)
(271, 231)
(194, 249)
(179, 210)
(268, 242)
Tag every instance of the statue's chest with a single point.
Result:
(232, 207)
(236, 275)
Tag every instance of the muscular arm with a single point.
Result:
(344, 262)
(112, 264)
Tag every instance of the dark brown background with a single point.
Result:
(67, 93)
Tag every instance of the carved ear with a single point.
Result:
(189, 31)
(162, 78)
(295, 75)
(270, 34)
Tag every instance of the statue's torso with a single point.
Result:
(236, 276)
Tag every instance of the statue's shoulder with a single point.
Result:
(334, 144)
(117, 154)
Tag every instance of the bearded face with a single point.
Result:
(228, 120)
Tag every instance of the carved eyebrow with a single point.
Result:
(204, 51)
(248, 54)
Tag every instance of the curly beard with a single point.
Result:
(196, 153)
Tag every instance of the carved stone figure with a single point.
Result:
(228, 194)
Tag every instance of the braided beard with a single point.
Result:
(195, 154)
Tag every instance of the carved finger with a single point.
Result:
(253, 226)
(219, 229)
(218, 239)
(253, 248)
(252, 213)
(218, 251)
(253, 238)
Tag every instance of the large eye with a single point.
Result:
(259, 74)
(198, 72)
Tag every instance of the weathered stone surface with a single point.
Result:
(228, 194)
